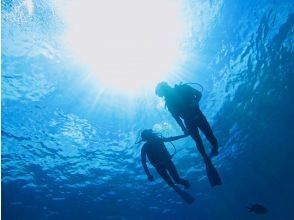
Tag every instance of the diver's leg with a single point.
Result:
(174, 173)
(162, 171)
(185, 196)
(206, 129)
(194, 133)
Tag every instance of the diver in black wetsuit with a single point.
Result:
(160, 158)
(183, 103)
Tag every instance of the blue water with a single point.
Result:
(67, 154)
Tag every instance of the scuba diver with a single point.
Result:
(159, 157)
(182, 101)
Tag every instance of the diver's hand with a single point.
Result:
(151, 178)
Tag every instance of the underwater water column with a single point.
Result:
(78, 80)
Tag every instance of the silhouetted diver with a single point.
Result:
(160, 158)
(182, 102)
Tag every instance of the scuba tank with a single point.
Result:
(195, 83)
(191, 83)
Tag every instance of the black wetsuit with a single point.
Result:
(184, 103)
(160, 158)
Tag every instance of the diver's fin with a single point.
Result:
(184, 195)
(214, 152)
(212, 174)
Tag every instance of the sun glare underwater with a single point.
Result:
(78, 88)
(127, 45)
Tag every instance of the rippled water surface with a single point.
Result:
(68, 147)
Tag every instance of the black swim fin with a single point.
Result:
(184, 195)
(212, 174)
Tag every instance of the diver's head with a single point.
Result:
(147, 135)
(162, 89)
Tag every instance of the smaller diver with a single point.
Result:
(159, 157)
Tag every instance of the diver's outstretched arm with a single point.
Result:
(174, 138)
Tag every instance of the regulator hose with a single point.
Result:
(175, 149)
(195, 83)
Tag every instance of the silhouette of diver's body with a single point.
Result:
(160, 158)
(183, 103)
